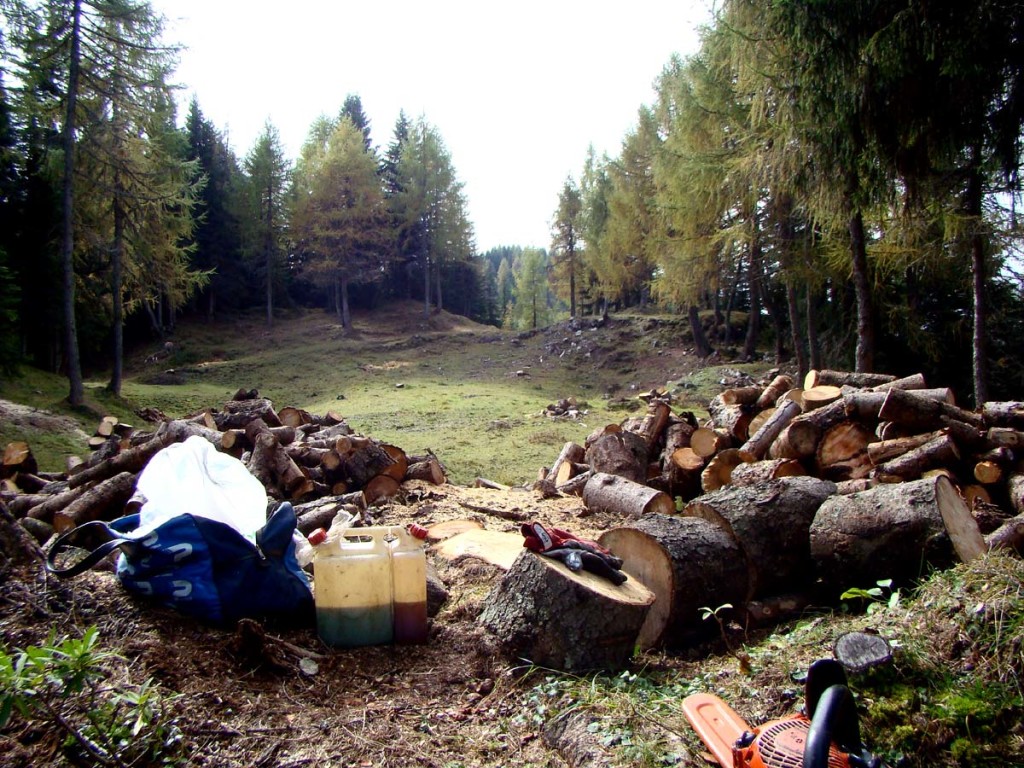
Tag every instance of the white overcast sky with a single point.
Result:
(517, 90)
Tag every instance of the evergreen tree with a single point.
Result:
(268, 179)
(531, 309)
(353, 110)
(566, 250)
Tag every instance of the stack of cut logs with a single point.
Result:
(314, 461)
(790, 494)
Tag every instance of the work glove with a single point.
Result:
(575, 553)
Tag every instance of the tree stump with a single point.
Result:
(688, 563)
(545, 613)
(611, 493)
(770, 523)
(893, 532)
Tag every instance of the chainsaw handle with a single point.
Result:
(835, 719)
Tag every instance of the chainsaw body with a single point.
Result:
(825, 735)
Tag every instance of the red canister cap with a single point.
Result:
(317, 536)
(417, 530)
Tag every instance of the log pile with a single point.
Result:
(316, 462)
(789, 494)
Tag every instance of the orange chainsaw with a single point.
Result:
(825, 735)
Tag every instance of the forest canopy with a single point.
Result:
(844, 177)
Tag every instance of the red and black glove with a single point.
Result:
(574, 552)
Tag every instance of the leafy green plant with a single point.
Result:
(717, 614)
(65, 684)
(875, 597)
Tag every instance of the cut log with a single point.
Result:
(236, 439)
(706, 442)
(768, 469)
(18, 458)
(842, 452)
(779, 386)
(381, 487)
(762, 439)
(687, 460)
(571, 452)
(104, 501)
(796, 395)
(600, 432)
(575, 486)
(46, 509)
(759, 419)
(429, 470)
(321, 512)
(652, 428)
(1015, 491)
(938, 452)
(688, 563)
(449, 528)
(106, 426)
(1004, 414)
(271, 464)
(742, 395)
(816, 397)
(620, 496)
(400, 463)
(718, 472)
(915, 409)
(543, 612)
(365, 461)
(882, 451)
(845, 378)
(988, 472)
(799, 439)
(988, 516)
(861, 651)
(733, 420)
(1005, 437)
(134, 459)
(974, 494)
(494, 547)
(619, 453)
(914, 381)
(1010, 535)
(238, 413)
(294, 417)
(894, 531)
(770, 523)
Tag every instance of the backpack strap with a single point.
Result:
(115, 540)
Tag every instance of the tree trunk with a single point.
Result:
(770, 522)
(700, 341)
(813, 345)
(543, 612)
(116, 277)
(346, 314)
(979, 356)
(688, 563)
(793, 308)
(893, 532)
(76, 393)
(865, 355)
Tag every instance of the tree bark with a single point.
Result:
(96, 503)
(76, 393)
(619, 453)
(620, 496)
(573, 622)
(865, 352)
(688, 563)
(770, 522)
(700, 341)
(893, 532)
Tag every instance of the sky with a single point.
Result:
(518, 91)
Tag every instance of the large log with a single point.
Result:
(894, 532)
(742, 395)
(917, 410)
(688, 563)
(842, 452)
(18, 458)
(731, 418)
(105, 500)
(621, 496)
(718, 472)
(816, 378)
(1010, 535)
(619, 453)
(271, 464)
(652, 428)
(938, 452)
(914, 381)
(1015, 490)
(545, 613)
(770, 522)
(706, 442)
(884, 450)
(1004, 414)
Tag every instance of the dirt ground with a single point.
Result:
(248, 698)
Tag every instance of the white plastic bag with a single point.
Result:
(194, 477)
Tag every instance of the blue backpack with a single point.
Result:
(202, 567)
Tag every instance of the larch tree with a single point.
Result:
(531, 309)
(339, 218)
(268, 176)
(566, 240)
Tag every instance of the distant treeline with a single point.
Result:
(843, 176)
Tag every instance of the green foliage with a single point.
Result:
(874, 597)
(67, 684)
